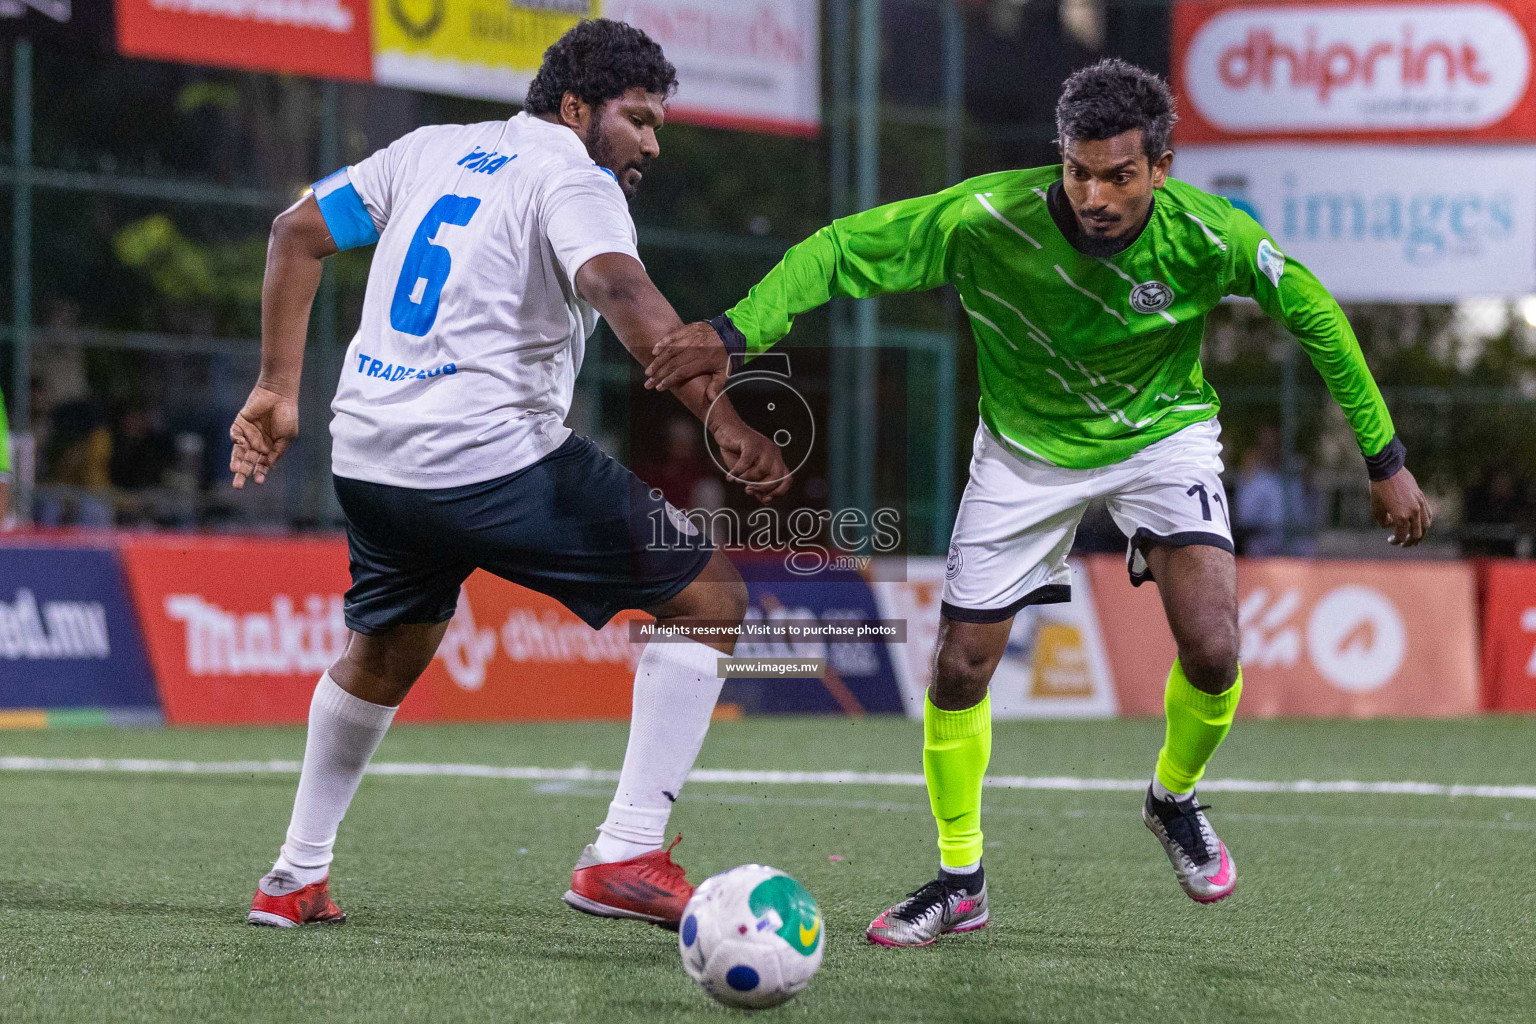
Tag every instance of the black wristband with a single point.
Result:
(734, 341)
(1386, 462)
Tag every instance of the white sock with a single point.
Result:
(676, 686)
(1162, 792)
(969, 869)
(344, 731)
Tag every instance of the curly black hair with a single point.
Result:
(1113, 96)
(599, 59)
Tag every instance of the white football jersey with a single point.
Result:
(472, 334)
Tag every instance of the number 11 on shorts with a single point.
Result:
(1205, 500)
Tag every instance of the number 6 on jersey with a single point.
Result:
(425, 271)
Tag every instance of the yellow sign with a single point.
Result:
(489, 48)
(1061, 664)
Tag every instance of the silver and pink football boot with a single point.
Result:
(1200, 859)
(946, 904)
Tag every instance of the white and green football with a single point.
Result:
(751, 937)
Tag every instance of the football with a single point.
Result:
(751, 937)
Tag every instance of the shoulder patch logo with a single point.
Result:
(1151, 297)
(1271, 262)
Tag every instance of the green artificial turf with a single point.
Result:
(123, 897)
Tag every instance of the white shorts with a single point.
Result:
(1018, 516)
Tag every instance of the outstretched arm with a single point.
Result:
(1289, 292)
(902, 247)
(618, 287)
(269, 422)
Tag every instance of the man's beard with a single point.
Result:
(1105, 246)
(1102, 246)
(602, 155)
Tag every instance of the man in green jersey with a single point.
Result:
(1087, 285)
(5, 464)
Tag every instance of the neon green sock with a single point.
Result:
(1197, 723)
(956, 748)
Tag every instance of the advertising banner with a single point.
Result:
(239, 630)
(1509, 636)
(482, 48)
(858, 677)
(67, 635)
(320, 38)
(513, 655)
(1055, 665)
(1341, 639)
(1387, 223)
(1412, 71)
(741, 63)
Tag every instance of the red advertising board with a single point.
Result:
(320, 38)
(1404, 71)
(1342, 639)
(513, 655)
(239, 629)
(1509, 636)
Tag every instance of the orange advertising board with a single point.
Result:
(513, 655)
(1343, 639)
(239, 629)
(1509, 636)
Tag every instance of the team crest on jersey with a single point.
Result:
(954, 563)
(1151, 297)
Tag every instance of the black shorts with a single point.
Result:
(576, 525)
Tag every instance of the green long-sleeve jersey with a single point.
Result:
(5, 444)
(1082, 361)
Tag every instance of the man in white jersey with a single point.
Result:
(499, 246)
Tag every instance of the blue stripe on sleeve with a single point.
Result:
(345, 214)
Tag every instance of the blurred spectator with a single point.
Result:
(1498, 516)
(142, 449)
(75, 468)
(208, 425)
(72, 436)
(80, 446)
(1271, 515)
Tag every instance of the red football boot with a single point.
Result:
(649, 887)
(280, 902)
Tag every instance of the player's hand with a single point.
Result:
(1398, 504)
(262, 431)
(754, 460)
(693, 350)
